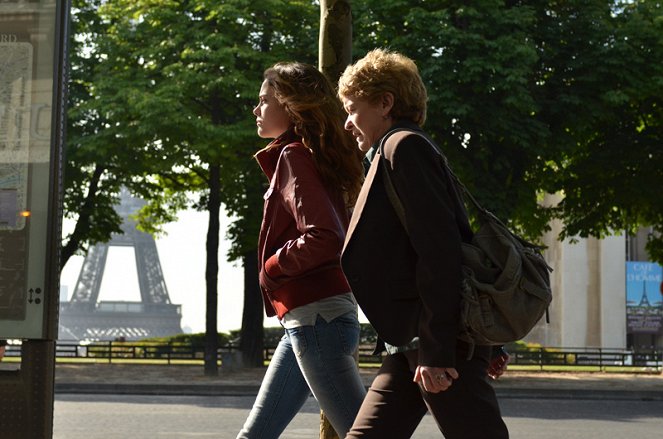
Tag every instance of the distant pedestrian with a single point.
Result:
(3, 346)
(315, 174)
(408, 282)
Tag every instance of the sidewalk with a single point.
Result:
(190, 380)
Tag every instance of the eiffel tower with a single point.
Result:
(84, 317)
(644, 301)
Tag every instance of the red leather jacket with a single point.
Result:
(302, 232)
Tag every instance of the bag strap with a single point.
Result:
(394, 137)
(398, 134)
(391, 191)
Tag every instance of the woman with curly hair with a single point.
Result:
(406, 274)
(315, 174)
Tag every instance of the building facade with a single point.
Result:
(589, 307)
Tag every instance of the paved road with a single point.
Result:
(181, 417)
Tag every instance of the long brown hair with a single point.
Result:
(317, 115)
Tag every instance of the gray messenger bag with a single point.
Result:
(506, 281)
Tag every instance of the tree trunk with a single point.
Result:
(326, 429)
(334, 54)
(84, 215)
(212, 272)
(335, 43)
(252, 333)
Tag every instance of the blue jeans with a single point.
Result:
(317, 359)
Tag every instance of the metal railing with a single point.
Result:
(595, 357)
(544, 357)
(109, 351)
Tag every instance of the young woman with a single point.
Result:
(409, 284)
(315, 174)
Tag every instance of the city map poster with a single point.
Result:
(644, 297)
(16, 60)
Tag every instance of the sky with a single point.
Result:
(182, 256)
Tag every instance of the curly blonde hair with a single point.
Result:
(382, 71)
(318, 117)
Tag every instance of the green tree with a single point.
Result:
(180, 78)
(477, 62)
(603, 100)
(104, 152)
(92, 174)
(532, 97)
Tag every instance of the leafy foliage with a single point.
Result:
(534, 97)
(608, 118)
(524, 97)
(163, 106)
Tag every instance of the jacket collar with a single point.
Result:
(398, 125)
(268, 157)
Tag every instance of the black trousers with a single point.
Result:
(395, 405)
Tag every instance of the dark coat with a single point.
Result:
(409, 285)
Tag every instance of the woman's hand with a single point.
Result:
(435, 379)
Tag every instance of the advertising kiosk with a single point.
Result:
(33, 43)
